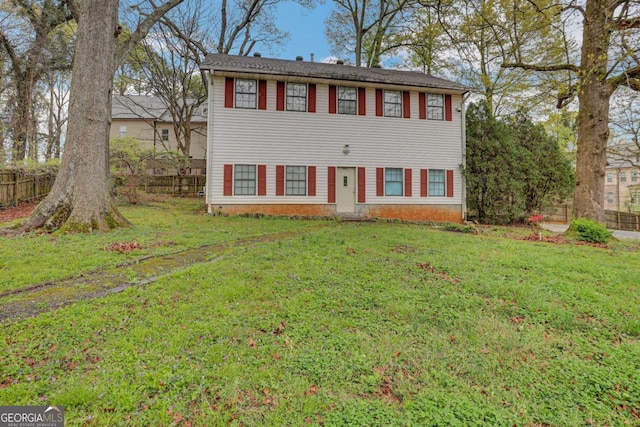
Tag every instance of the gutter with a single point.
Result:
(463, 126)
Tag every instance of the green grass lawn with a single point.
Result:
(347, 324)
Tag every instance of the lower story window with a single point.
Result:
(393, 182)
(436, 183)
(296, 180)
(610, 197)
(244, 182)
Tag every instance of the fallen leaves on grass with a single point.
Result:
(23, 210)
(125, 247)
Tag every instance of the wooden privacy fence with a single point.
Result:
(615, 220)
(622, 220)
(187, 185)
(19, 186)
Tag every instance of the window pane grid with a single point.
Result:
(296, 97)
(392, 103)
(296, 180)
(436, 183)
(347, 100)
(393, 182)
(435, 106)
(246, 93)
(245, 180)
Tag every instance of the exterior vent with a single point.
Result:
(340, 62)
(299, 58)
(257, 55)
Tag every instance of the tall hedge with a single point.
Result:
(513, 167)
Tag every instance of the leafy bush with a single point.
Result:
(590, 231)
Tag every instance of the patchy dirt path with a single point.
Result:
(32, 300)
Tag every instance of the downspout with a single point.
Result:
(463, 126)
(209, 153)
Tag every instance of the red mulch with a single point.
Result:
(23, 210)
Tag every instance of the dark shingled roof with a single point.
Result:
(283, 67)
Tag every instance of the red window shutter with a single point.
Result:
(424, 182)
(407, 183)
(422, 105)
(333, 99)
(262, 180)
(379, 100)
(311, 181)
(331, 181)
(280, 96)
(279, 180)
(362, 101)
(406, 104)
(449, 183)
(312, 98)
(228, 92)
(228, 180)
(262, 94)
(362, 197)
(379, 182)
(447, 108)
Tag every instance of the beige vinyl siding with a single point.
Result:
(273, 137)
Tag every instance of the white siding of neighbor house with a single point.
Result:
(271, 137)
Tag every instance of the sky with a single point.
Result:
(306, 32)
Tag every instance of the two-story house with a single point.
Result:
(622, 186)
(316, 139)
(147, 119)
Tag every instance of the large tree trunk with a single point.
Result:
(593, 115)
(80, 199)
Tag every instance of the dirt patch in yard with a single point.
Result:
(32, 300)
(23, 210)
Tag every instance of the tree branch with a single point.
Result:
(542, 68)
(143, 29)
(629, 78)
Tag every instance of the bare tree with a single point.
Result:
(367, 29)
(80, 199)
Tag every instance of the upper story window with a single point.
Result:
(436, 183)
(296, 179)
(435, 106)
(623, 177)
(393, 103)
(609, 177)
(123, 131)
(296, 97)
(634, 176)
(244, 182)
(246, 93)
(347, 100)
(393, 182)
(165, 134)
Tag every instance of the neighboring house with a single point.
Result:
(147, 119)
(304, 138)
(622, 186)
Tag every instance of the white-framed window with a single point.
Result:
(246, 93)
(244, 180)
(164, 134)
(296, 96)
(393, 182)
(610, 197)
(435, 106)
(436, 183)
(635, 197)
(609, 177)
(393, 103)
(634, 176)
(623, 177)
(347, 100)
(123, 131)
(296, 180)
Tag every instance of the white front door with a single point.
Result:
(346, 190)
